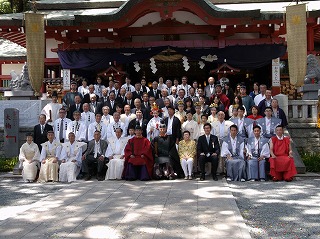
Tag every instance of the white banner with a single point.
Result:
(66, 79)
(276, 72)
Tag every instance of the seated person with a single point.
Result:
(70, 159)
(257, 150)
(232, 149)
(187, 154)
(163, 146)
(138, 158)
(268, 124)
(208, 150)
(95, 154)
(115, 154)
(281, 162)
(49, 157)
(29, 159)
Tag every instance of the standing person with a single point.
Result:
(111, 103)
(40, 131)
(209, 90)
(77, 106)
(138, 158)
(97, 126)
(139, 120)
(179, 98)
(261, 96)
(154, 91)
(184, 85)
(95, 153)
(255, 91)
(127, 117)
(86, 98)
(266, 102)
(228, 91)
(154, 123)
(161, 84)
(237, 90)
(247, 101)
(83, 89)
(144, 86)
(68, 98)
(110, 86)
(106, 118)
(49, 157)
(192, 95)
(180, 114)
(213, 117)
(29, 157)
(98, 87)
(191, 126)
(195, 86)
(116, 123)
(281, 162)
(232, 149)
(137, 94)
(51, 110)
(278, 112)
(173, 125)
(127, 86)
(77, 127)
(60, 125)
(70, 158)
(258, 151)
(86, 116)
(223, 98)
(255, 114)
(208, 149)
(164, 149)
(169, 86)
(115, 154)
(236, 104)
(116, 89)
(268, 124)
(187, 154)
(244, 125)
(197, 115)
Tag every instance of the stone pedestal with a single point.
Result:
(310, 91)
(19, 95)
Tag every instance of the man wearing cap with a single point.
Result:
(138, 158)
(68, 99)
(29, 157)
(51, 110)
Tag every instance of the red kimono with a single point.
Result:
(137, 147)
(282, 167)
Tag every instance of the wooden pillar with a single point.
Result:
(310, 39)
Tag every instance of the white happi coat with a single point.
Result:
(95, 127)
(54, 109)
(29, 157)
(88, 118)
(125, 119)
(111, 130)
(69, 170)
(57, 128)
(80, 130)
(116, 150)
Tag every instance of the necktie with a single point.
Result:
(97, 149)
(98, 127)
(111, 104)
(208, 139)
(61, 130)
(77, 125)
(155, 93)
(146, 104)
(42, 129)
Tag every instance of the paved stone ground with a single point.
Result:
(118, 209)
(280, 210)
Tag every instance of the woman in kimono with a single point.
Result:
(70, 159)
(180, 114)
(49, 157)
(213, 117)
(191, 126)
(115, 154)
(29, 159)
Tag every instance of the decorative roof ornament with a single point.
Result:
(210, 58)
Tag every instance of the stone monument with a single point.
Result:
(312, 79)
(20, 86)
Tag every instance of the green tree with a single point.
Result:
(5, 7)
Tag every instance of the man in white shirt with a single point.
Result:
(127, 117)
(86, 116)
(106, 117)
(97, 126)
(184, 86)
(98, 87)
(111, 130)
(60, 126)
(77, 127)
(128, 85)
(261, 96)
(51, 110)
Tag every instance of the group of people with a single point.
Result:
(167, 131)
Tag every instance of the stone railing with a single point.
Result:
(302, 111)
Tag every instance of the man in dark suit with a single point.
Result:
(111, 103)
(95, 153)
(173, 125)
(76, 107)
(122, 96)
(154, 91)
(139, 120)
(138, 106)
(208, 151)
(86, 98)
(95, 107)
(129, 100)
(40, 131)
(209, 90)
(104, 95)
(137, 94)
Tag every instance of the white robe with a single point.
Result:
(125, 119)
(80, 131)
(54, 108)
(107, 119)
(57, 128)
(153, 124)
(111, 129)
(49, 152)
(88, 118)
(193, 127)
(69, 170)
(116, 150)
(93, 127)
(83, 90)
(29, 159)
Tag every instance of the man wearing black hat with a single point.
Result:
(68, 99)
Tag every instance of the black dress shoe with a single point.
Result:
(100, 178)
(202, 177)
(215, 178)
(87, 177)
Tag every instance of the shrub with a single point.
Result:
(5, 7)
(7, 164)
(311, 161)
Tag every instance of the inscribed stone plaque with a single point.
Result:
(11, 132)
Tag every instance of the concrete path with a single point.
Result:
(119, 209)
